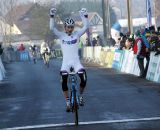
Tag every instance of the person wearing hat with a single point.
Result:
(147, 44)
(139, 50)
(158, 45)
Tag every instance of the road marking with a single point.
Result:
(82, 123)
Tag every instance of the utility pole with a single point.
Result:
(104, 20)
(11, 21)
(130, 29)
(108, 20)
(155, 15)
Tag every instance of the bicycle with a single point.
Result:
(46, 58)
(74, 98)
(34, 57)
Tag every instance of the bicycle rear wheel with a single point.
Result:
(47, 60)
(34, 61)
(75, 109)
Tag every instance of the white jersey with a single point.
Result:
(69, 46)
(43, 48)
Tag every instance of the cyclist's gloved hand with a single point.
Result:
(83, 13)
(52, 12)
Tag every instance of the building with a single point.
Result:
(95, 21)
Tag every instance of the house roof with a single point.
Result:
(18, 12)
(94, 19)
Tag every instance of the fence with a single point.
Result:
(122, 60)
(2, 70)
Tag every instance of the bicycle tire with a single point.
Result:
(34, 60)
(75, 109)
(47, 60)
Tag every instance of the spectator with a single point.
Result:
(80, 46)
(10, 53)
(99, 41)
(88, 43)
(111, 41)
(1, 49)
(122, 42)
(129, 44)
(94, 42)
(146, 42)
(139, 50)
(21, 48)
(158, 46)
(153, 40)
(117, 45)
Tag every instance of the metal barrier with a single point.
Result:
(57, 53)
(154, 68)
(2, 70)
(24, 56)
(124, 61)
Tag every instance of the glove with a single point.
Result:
(52, 12)
(83, 13)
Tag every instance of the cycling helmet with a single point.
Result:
(69, 22)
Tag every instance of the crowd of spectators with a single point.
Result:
(142, 42)
(150, 35)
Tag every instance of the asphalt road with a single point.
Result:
(31, 98)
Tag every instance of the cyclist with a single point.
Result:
(44, 50)
(69, 46)
(33, 51)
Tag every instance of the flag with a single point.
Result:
(149, 13)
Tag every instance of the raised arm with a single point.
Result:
(84, 16)
(52, 23)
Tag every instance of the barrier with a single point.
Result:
(109, 58)
(157, 72)
(154, 68)
(102, 57)
(130, 64)
(24, 55)
(124, 61)
(134, 66)
(2, 70)
(89, 54)
(96, 53)
(118, 59)
(57, 53)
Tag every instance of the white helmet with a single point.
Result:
(69, 22)
(83, 11)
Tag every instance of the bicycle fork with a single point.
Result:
(74, 96)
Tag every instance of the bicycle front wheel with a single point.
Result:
(75, 109)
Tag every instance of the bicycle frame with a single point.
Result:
(46, 59)
(74, 86)
(34, 56)
(74, 95)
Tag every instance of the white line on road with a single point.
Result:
(82, 123)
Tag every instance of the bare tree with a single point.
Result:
(6, 24)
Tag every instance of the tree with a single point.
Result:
(65, 8)
(38, 17)
(4, 7)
